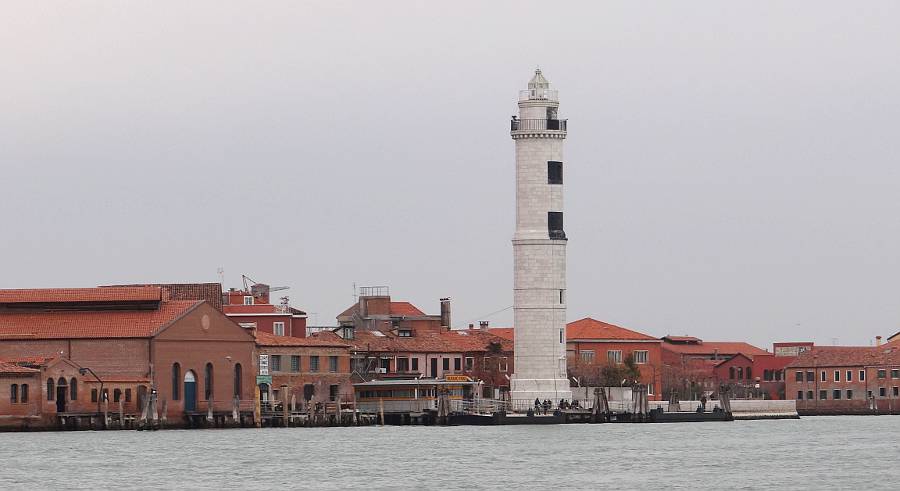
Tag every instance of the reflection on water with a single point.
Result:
(812, 453)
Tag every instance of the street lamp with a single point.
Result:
(84, 371)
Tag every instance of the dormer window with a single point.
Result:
(405, 333)
(248, 299)
(347, 333)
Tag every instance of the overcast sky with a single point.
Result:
(732, 170)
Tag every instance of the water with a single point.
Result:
(811, 453)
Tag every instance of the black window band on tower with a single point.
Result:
(554, 172)
(555, 225)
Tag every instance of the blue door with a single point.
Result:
(190, 391)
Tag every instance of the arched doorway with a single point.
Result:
(62, 391)
(190, 391)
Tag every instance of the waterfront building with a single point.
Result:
(846, 380)
(598, 351)
(689, 364)
(307, 369)
(125, 342)
(753, 376)
(539, 247)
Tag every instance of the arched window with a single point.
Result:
(176, 381)
(14, 393)
(208, 381)
(73, 389)
(50, 392)
(23, 394)
(117, 395)
(740, 373)
(749, 373)
(238, 375)
(731, 373)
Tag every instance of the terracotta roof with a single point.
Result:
(28, 360)
(13, 369)
(65, 295)
(503, 332)
(323, 339)
(848, 356)
(427, 342)
(715, 347)
(592, 329)
(405, 308)
(211, 292)
(91, 324)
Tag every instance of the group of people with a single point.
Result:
(545, 405)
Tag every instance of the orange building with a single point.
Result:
(311, 369)
(593, 346)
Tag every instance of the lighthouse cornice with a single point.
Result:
(517, 135)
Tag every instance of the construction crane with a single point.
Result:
(259, 289)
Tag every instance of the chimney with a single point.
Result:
(445, 313)
(483, 325)
(877, 340)
(716, 354)
(471, 326)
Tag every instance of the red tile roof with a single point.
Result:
(91, 324)
(503, 332)
(65, 295)
(211, 292)
(715, 347)
(405, 309)
(592, 329)
(848, 356)
(320, 339)
(427, 342)
(13, 369)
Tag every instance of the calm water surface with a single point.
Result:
(812, 453)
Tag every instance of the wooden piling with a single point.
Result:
(257, 410)
(121, 414)
(381, 410)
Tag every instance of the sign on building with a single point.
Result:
(263, 364)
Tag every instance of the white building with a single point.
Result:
(539, 247)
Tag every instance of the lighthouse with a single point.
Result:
(539, 247)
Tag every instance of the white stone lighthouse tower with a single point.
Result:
(539, 247)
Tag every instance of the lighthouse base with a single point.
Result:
(524, 391)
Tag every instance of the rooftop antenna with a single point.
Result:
(355, 298)
(221, 272)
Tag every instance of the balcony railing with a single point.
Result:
(539, 95)
(537, 125)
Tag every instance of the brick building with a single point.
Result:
(598, 350)
(846, 380)
(312, 369)
(376, 311)
(252, 309)
(432, 353)
(134, 339)
(689, 364)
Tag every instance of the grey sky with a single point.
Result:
(732, 169)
